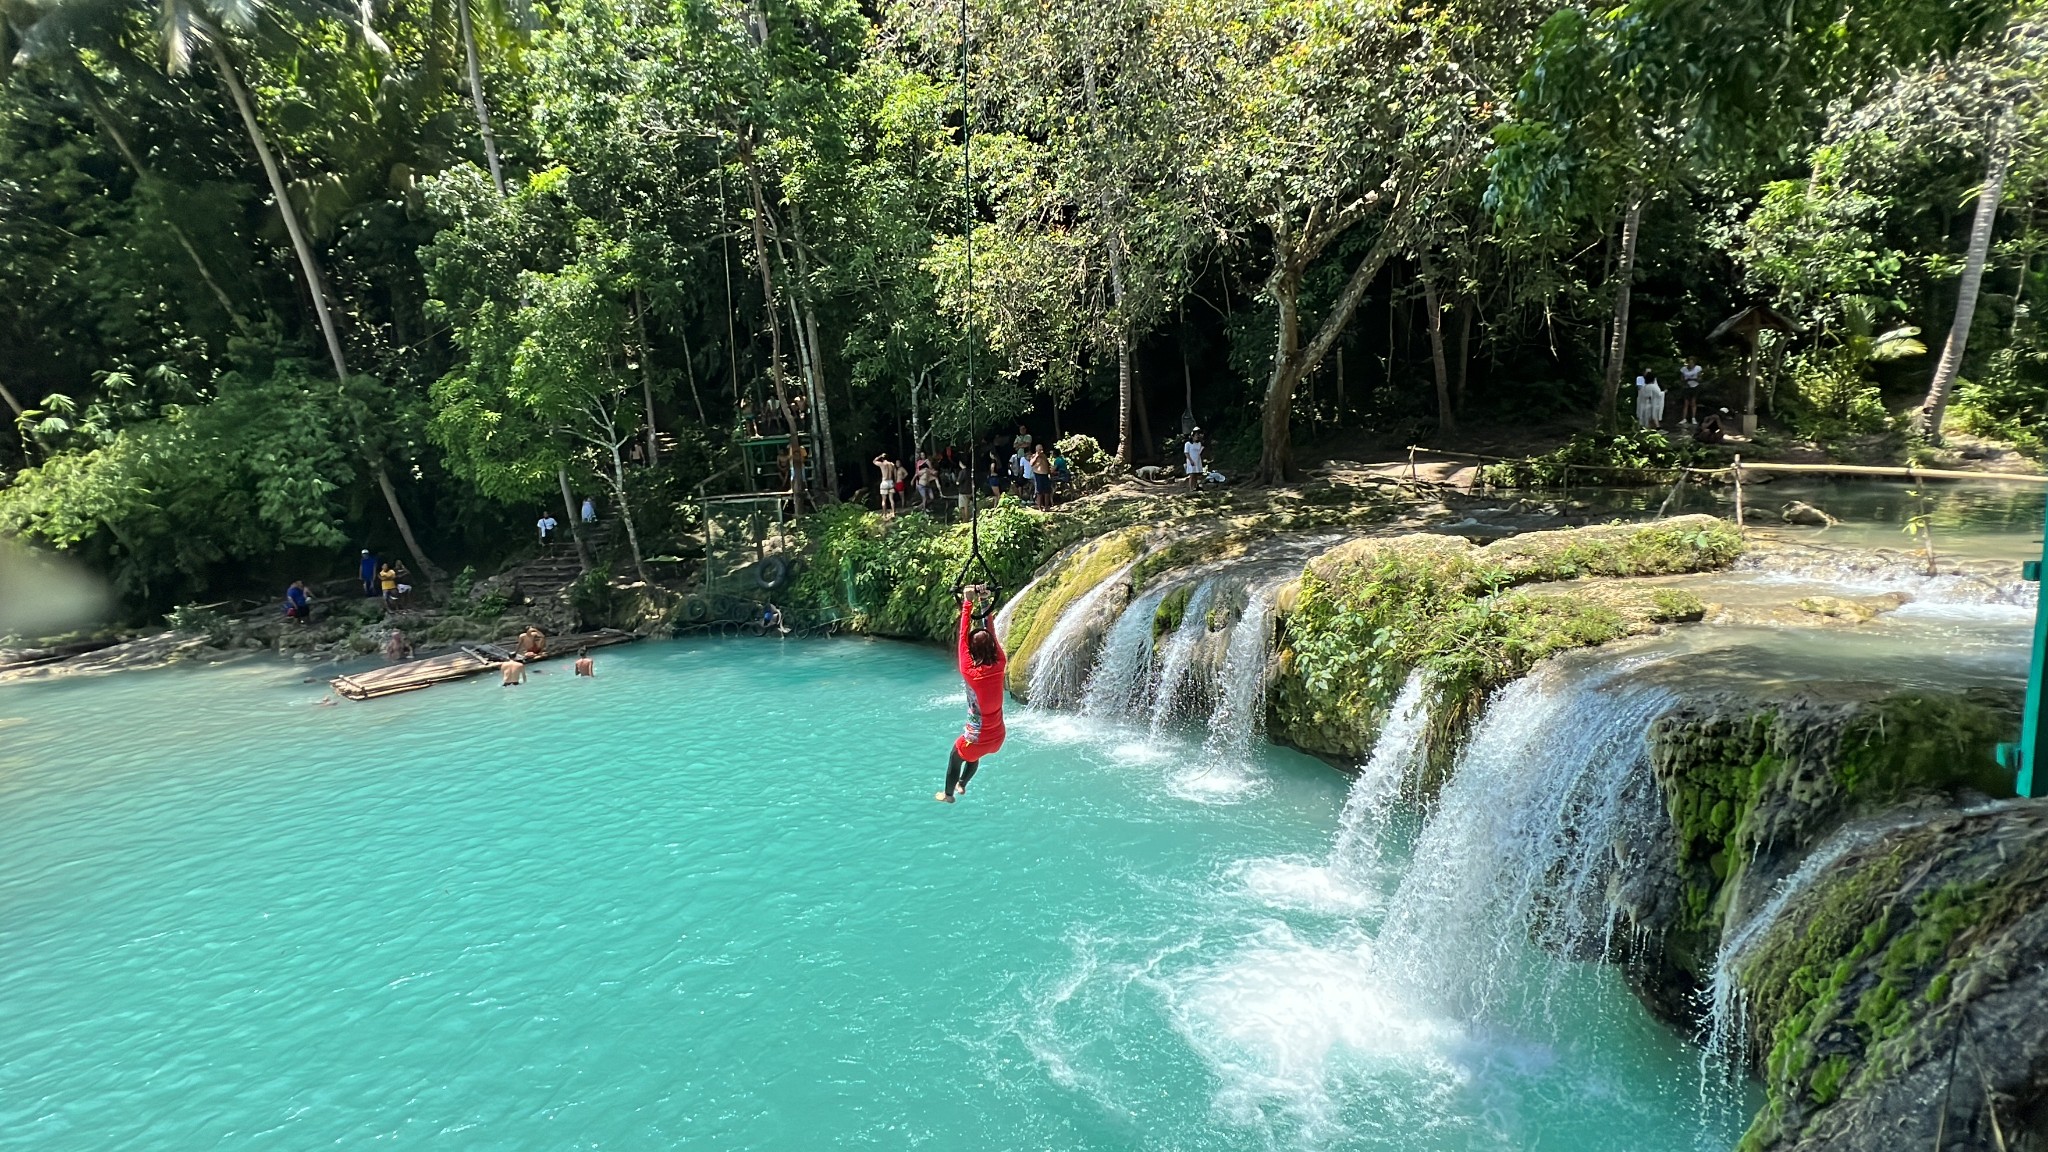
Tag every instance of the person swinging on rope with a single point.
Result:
(982, 664)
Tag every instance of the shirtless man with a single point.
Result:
(513, 672)
(533, 644)
(585, 666)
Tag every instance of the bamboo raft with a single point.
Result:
(466, 661)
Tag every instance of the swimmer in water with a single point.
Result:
(514, 672)
(982, 665)
(585, 666)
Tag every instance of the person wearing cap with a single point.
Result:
(368, 571)
(1713, 429)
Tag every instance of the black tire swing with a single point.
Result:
(975, 560)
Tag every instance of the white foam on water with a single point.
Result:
(1286, 1022)
(1318, 887)
(1217, 782)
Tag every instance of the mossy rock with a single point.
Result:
(1038, 610)
(1927, 944)
(1369, 612)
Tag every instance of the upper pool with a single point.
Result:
(706, 900)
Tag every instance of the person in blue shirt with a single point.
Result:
(368, 571)
(298, 604)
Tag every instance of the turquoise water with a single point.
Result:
(706, 900)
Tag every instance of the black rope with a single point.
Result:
(974, 479)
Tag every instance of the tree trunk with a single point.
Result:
(821, 410)
(303, 249)
(105, 117)
(774, 326)
(1276, 448)
(1445, 421)
(569, 517)
(690, 374)
(1935, 407)
(646, 376)
(11, 402)
(626, 511)
(476, 96)
(1292, 360)
(1617, 340)
(412, 546)
(1126, 448)
(1464, 352)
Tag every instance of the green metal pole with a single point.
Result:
(2021, 758)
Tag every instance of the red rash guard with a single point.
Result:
(984, 733)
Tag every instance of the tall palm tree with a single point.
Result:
(188, 27)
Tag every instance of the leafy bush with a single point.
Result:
(199, 621)
(1831, 397)
(1085, 454)
(592, 596)
(1604, 457)
(894, 576)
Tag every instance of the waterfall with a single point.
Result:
(1378, 786)
(1059, 668)
(1177, 658)
(1123, 671)
(1241, 695)
(1523, 840)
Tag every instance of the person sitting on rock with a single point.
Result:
(533, 643)
(298, 603)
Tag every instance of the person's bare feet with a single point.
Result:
(942, 797)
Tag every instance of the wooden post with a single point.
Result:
(1738, 491)
(1675, 489)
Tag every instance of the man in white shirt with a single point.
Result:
(1690, 376)
(1192, 462)
(546, 524)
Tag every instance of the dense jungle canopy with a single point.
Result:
(279, 280)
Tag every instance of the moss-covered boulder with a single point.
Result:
(1369, 612)
(1897, 1002)
(1038, 609)
(1750, 786)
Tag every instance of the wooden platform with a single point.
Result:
(466, 661)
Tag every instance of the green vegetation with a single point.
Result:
(1871, 971)
(1734, 782)
(1039, 609)
(1369, 613)
(894, 576)
(280, 281)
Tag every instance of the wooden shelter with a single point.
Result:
(1750, 324)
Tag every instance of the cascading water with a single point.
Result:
(1522, 843)
(1241, 695)
(1059, 670)
(1123, 671)
(1177, 658)
(1373, 795)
